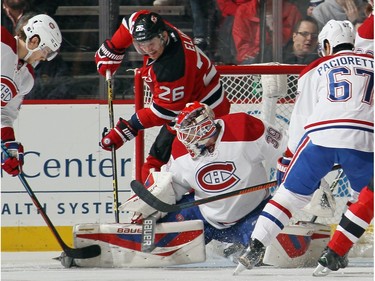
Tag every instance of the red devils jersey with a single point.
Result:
(243, 146)
(182, 74)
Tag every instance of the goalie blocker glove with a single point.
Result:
(13, 162)
(108, 57)
(119, 135)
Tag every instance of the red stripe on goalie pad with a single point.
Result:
(294, 245)
(298, 245)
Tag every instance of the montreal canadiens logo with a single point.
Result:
(217, 176)
(8, 90)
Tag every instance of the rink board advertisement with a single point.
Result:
(67, 170)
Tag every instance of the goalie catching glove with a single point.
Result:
(119, 135)
(108, 57)
(13, 162)
(160, 185)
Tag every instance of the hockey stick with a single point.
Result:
(113, 150)
(77, 253)
(159, 205)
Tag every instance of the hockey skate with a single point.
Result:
(233, 252)
(330, 261)
(251, 257)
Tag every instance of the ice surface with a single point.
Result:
(40, 266)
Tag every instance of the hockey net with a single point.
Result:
(265, 91)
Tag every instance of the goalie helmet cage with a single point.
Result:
(266, 91)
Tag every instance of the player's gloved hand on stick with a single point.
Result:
(13, 162)
(108, 57)
(282, 166)
(119, 135)
(160, 185)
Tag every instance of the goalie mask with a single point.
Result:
(336, 33)
(48, 32)
(195, 127)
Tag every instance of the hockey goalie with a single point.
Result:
(209, 157)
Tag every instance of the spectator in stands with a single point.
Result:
(40, 40)
(365, 12)
(13, 9)
(246, 28)
(175, 72)
(203, 13)
(44, 6)
(338, 10)
(226, 50)
(312, 5)
(302, 47)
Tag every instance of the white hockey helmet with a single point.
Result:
(336, 33)
(48, 32)
(195, 126)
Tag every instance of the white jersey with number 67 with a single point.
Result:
(334, 105)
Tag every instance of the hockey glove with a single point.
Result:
(282, 166)
(160, 185)
(107, 57)
(12, 163)
(122, 133)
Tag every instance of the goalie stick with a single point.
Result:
(75, 253)
(159, 205)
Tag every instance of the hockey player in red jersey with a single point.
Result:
(176, 71)
(352, 226)
(215, 157)
(40, 40)
(331, 123)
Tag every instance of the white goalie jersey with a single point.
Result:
(243, 145)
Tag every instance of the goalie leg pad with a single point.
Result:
(298, 245)
(176, 243)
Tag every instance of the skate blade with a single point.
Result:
(320, 270)
(240, 267)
